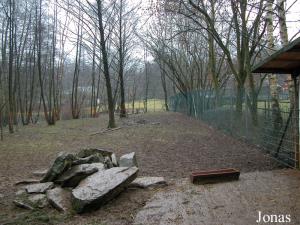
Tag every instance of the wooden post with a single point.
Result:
(297, 98)
(296, 125)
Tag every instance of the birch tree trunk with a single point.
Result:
(282, 22)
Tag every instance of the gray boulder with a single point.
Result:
(20, 192)
(62, 163)
(128, 160)
(22, 205)
(39, 188)
(102, 186)
(89, 159)
(73, 176)
(30, 201)
(59, 198)
(92, 151)
(147, 182)
(108, 163)
(114, 160)
(38, 200)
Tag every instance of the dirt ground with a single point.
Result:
(168, 144)
(274, 192)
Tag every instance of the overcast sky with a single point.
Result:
(293, 19)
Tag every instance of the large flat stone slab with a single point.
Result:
(73, 176)
(60, 199)
(39, 188)
(148, 182)
(100, 187)
(128, 160)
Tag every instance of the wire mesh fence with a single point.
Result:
(276, 137)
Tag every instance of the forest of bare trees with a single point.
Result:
(59, 58)
(57, 55)
(201, 45)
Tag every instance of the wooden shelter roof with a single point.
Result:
(284, 61)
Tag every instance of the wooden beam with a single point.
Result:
(214, 176)
(295, 71)
(272, 70)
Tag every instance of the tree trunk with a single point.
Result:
(282, 22)
(39, 57)
(11, 102)
(110, 100)
(146, 83)
(121, 62)
(122, 92)
(239, 100)
(252, 99)
(93, 97)
(164, 85)
(273, 81)
(74, 98)
(212, 58)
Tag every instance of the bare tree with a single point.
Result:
(75, 104)
(241, 47)
(111, 110)
(11, 95)
(273, 81)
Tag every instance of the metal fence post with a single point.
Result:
(246, 115)
(231, 112)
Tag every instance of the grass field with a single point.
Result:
(284, 105)
(153, 105)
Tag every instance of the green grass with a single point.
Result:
(153, 105)
(284, 105)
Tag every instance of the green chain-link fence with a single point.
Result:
(222, 115)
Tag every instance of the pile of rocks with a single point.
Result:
(82, 181)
